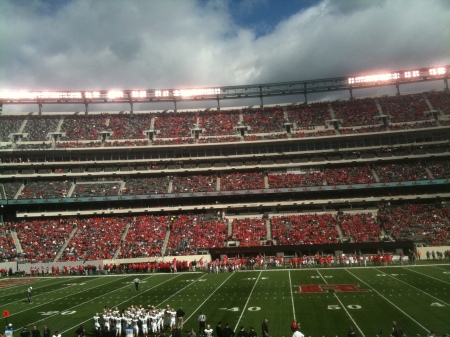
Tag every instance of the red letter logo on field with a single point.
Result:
(324, 288)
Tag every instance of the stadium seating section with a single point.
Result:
(92, 237)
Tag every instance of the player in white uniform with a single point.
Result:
(129, 330)
(106, 317)
(144, 322)
(135, 325)
(167, 318)
(161, 320)
(173, 315)
(118, 321)
(208, 331)
(97, 326)
(154, 322)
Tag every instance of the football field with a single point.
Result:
(326, 301)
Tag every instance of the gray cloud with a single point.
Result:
(95, 44)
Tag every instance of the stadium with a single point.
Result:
(290, 195)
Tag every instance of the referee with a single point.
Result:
(29, 294)
(136, 284)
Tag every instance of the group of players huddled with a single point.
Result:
(137, 321)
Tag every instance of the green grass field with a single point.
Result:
(418, 297)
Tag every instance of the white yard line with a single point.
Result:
(196, 310)
(246, 303)
(427, 330)
(57, 299)
(27, 284)
(437, 299)
(434, 278)
(292, 296)
(343, 306)
(68, 309)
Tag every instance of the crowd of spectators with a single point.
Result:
(44, 189)
(342, 175)
(359, 227)
(8, 251)
(309, 115)
(8, 125)
(129, 126)
(11, 188)
(249, 231)
(188, 233)
(349, 175)
(95, 239)
(440, 100)
(242, 181)
(194, 183)
(355, 112)
(145, 236)
(101, 237)
(302, 229)
(267, 120)
(175, 125)
(405, 108)
(41, 240)
(420, 223)
(143, 186)
(96, 189)
(39, 127)
(83, 127)
(218, 123)
(439, 168)
(288, 180)
(401, 172)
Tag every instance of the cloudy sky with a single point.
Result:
(105, 44)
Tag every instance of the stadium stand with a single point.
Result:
(152, 184)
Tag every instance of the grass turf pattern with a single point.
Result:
(417, 297)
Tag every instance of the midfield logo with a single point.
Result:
(325, 288)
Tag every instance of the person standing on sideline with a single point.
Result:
(35, 332)
(351, 332)
(29, 294)
(180, 318)
(228, 332)
(9, 331)
(252, 332)
(56, 334)
(80, 331)
(201, 324)
(265, 328)
(242, 332)
(25, 332)
(46, 332)
(396, 330)
(219, 330)
(136, 284)
(192, 333)
(294, 325)
(208, 331)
